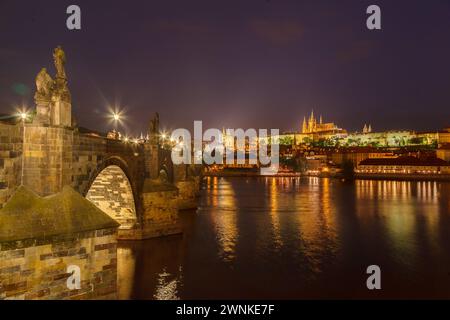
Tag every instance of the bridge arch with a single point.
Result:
(111, 189)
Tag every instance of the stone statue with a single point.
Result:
(43, 96)
(154, 124)
(52, 97)
(154, 129)
(59, 58)
(62, 102)
(44, 84)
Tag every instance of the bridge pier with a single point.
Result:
(188, 193)
(47, 158)
(187, 179)
(160, 217)
(160, 206)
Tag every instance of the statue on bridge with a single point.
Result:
(44, 83)
(61, 90)
(52, 97)
(43, 95)
(154, 129)
(59, 58)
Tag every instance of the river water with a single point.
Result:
(295, 238)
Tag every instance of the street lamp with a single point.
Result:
(116, 117)
(23, 116)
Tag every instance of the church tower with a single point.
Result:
(304, 126)
(311, 122)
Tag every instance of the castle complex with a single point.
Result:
(328, 134)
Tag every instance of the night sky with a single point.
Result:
(236, 63)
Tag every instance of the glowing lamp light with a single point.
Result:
(22, 114)
(116, 115)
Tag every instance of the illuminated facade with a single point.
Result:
(389, 139)
(404, 165)
(314, 126)
(443, 151)
(444, 136)
(367, 129)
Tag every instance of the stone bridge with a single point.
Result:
(133, 182)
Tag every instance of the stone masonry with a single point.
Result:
(11, 144)
(40, 238)
(111, 192)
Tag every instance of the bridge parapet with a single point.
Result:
(11, 145)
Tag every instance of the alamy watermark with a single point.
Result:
(233, 146)
(74, 280)
(73, 21)
(374, 280)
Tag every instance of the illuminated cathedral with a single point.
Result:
(313, 126)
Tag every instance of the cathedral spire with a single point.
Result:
(304, 125)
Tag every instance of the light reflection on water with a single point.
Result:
(298, 238)
(167, 288)
(224, 219)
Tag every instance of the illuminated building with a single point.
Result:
(367, 129)
(444, 136)
(443, 151)
(388, 139)
(358, 154)
(404, 165)
(312, 126)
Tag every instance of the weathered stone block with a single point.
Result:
(52, 234)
